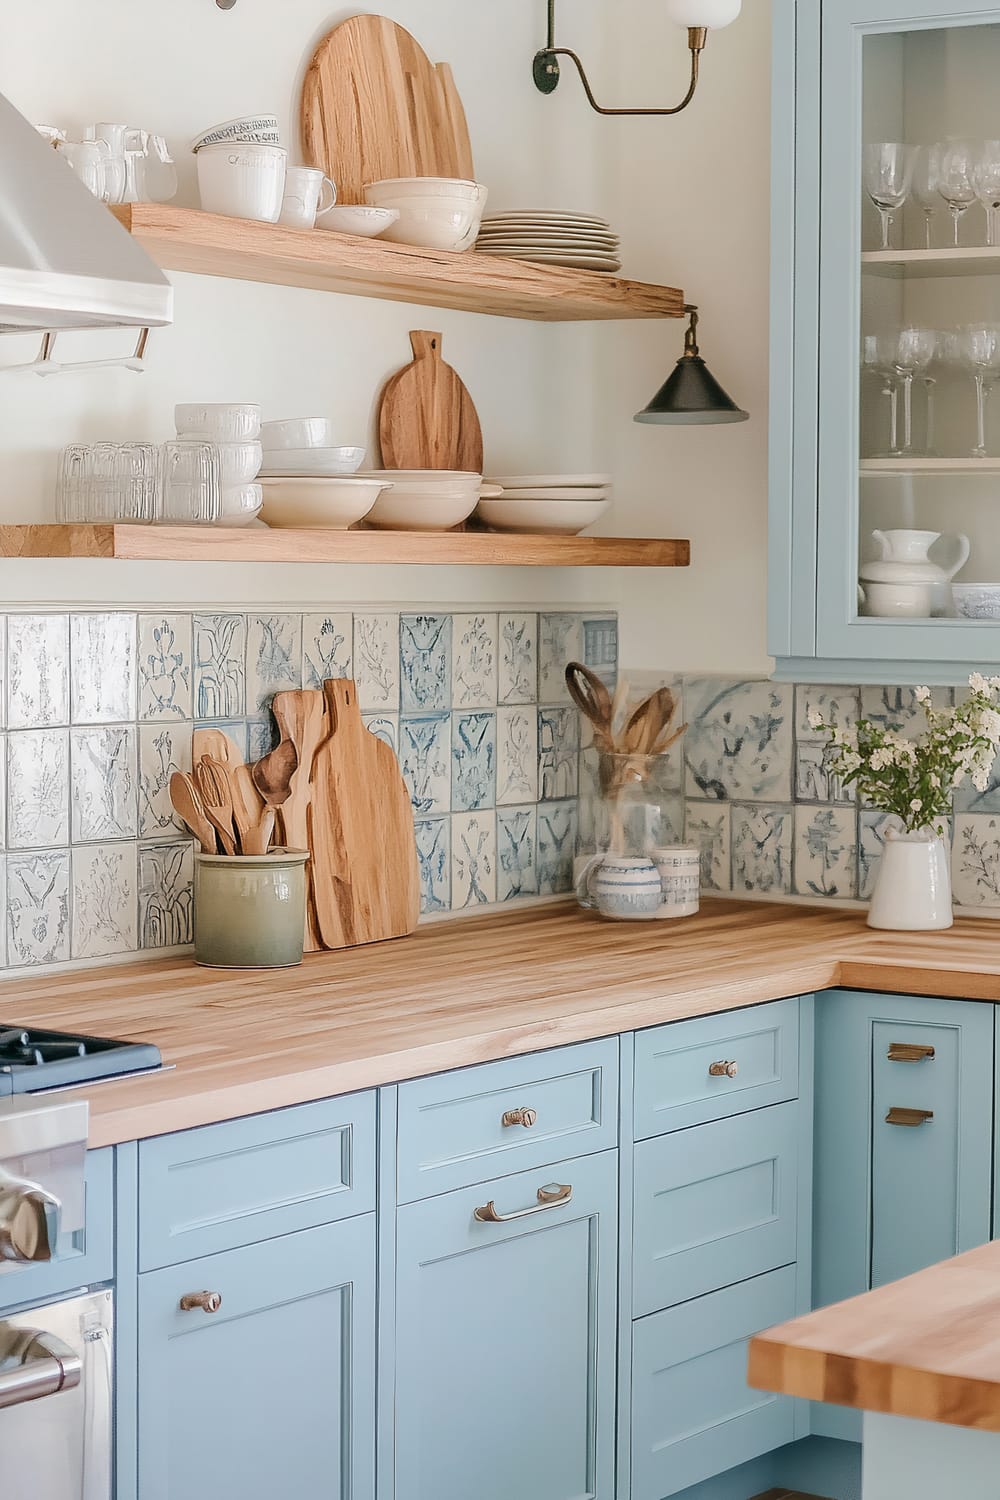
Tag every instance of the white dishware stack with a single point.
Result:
(581, 242)
(427, 499)
(241, 168)
(208, 474)
(308, 479)
(118, 163)
(438, 213)
(545, 504)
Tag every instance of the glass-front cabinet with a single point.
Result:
(886, 356)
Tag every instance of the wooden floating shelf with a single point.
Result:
(429, 548)
(913, 265)
(873, 467)
(185, 239)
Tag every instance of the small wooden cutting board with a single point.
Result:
(427, 419)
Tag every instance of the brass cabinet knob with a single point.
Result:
(723, 1069)
(209, 1302)
(522, 1116)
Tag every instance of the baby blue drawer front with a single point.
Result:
(693, 1071)
(460, 1128)
(693, 1414)
(203, 1191)
(714, 1205)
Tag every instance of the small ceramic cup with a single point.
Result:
(305, 188)
(679, 867)
(249, 910)
(627, 889)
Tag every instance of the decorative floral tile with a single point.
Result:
(376, 662)
(327, 648)
(517, 862)
(37, 671)
(871, 836)
(558, 757)
(425, 760)
(590, 804)
(815, 781)
(473, 859)
(102, 668)
(384, 727)
(219, 666)
(474, 664)
(517, 653)
(739, 741)
(104, 899)
(835, 705)
(897, 707)
(975, 860)
(707, 825)
(560, 640)
(274, 658)
(37, 789)
(163, 749)
(474, 761)
(164, 667)
(103, 784)
(434, 857)
(517, 755)
(762, 849)
(38, 908)
(600, 647)
(425, 662)
(826, 855)
(556, 845)
(166, 895)
(261, 737)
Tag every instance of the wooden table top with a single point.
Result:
(927, 1346)
(464, 991)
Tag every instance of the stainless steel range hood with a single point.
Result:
(64, 260)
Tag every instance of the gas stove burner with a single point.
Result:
(32, 1060)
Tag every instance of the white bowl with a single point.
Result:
(241, 504)
(239, 462)
(541, 517)
(329, 504)
(583, 493)
(220, 422)
(357, 218)
(433, 480)
(977, 601)
(432, 187)
(432, 218)
(422, 510)
(319, 462)
(260, 129)
(551, 481)
(297, 432)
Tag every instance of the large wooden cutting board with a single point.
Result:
(365, 880)
(374, 106)
(427, 419)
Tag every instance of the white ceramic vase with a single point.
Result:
(913, 887)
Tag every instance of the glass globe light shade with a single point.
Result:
(711, 13)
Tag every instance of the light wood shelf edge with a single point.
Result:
(220, 544)
(186, 239)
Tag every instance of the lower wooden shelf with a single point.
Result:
(219, 544)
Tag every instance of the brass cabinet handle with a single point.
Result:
(723, 1069)
(910, 1052)
(209, 1302)
(522, 1116)
(552, 1196)
(898, 1115)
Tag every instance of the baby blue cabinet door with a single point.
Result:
(505, 1339)
(273, 1394)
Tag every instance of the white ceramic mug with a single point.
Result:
(243, 181)
(304, 190)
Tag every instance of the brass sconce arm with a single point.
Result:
(546, 71)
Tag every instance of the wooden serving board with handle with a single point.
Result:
(365, 880)
(427, 419)
(374, 106)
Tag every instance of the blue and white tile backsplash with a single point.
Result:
(96, 714)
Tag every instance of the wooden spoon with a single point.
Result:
(272, 774)
(249, 810)
(212, 781)
(647, 722)
(593, 700)
(215, 743)
(301, 717)
(188, 805)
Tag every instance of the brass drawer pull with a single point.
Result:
(910, 1052)
(552, 1196)
(209, 1302)
(723, 1069)
(900, 1116)
(522, 1116)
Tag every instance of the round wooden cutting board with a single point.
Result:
(427, 419)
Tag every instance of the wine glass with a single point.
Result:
(888, 172)
(925, 188)
(986, 181)
(915, 349)
(878, 357)
(980, 347)
(955, 164)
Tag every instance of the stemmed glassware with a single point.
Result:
(980, 350)
(986, 181)
(915, 349)
(878, 358)
(956, 163)
(925, 188)
(888, 172)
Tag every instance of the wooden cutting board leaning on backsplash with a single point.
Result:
(427, 419)
(374, 106)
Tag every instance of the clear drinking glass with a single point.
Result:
(104, 482)
(73, 484)
(189, 489)
(888, 173)
(915, 350)
(956, 162)
(138, 469)
(980, 346)
(925, 189)
(986, 181)
(878, 358)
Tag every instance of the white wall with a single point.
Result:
(690, 197)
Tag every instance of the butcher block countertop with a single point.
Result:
(927, 1346)
(464, 991)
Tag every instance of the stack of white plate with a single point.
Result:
(581, 241)
(546, 504)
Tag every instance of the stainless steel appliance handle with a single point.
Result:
(34, 1364)
(97, 1414)
(29, 1219)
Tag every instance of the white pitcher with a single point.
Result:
(907, 583)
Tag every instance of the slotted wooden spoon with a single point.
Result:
(212, 781)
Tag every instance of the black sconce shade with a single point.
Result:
(691, 396)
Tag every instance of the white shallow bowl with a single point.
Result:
(260, 129)
(239, 462)
(977, 601)
(431, 187)
(422, 510)
(318, 462)
(550, 481)
(432, 219)
(601, 492)
(297, 432)
(429, 479)
(330, 504)
(541, 517)
(241, 504)
(357, 218)
(219, 422)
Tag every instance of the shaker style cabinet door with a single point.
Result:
(505, 1338)
(272, 1395)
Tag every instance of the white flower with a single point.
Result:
(922, 694)
(916, 804)
(935, 781)
(978, 683)
(814, 718)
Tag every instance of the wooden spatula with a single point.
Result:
(188, 805)
(213, 785)
(301, 717)
(217, 744)
(249, 812)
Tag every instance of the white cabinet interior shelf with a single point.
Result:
(961, 260)
(873, 467)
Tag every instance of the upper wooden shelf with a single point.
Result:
(185, 239)
(951, 260)
(220, 544)
(872, 467)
